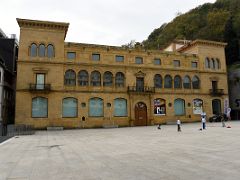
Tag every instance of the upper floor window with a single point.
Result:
(83, 78)
(33, 50)
(176, 63)
(139, 60)
(212, 64)
(119, 79)
(107, 79)
(187, 82)
(95, 78)
(207, 63)
(70, 78)
(157, 61)
(71, 55)
(96, 57)
(119, 58)
(41, 50)
(50, 51)
(194, 64)
(195, 82)
(158, 81)
(168, 81)
(177, 82)
(217, 63)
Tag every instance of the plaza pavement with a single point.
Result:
(137, 153)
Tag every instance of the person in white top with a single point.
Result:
(178, 125)
(203, 117)
(229, 114)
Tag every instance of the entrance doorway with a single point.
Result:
(216, 106)
(140, 114)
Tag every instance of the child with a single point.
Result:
(178, 125)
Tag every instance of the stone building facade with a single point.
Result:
(78, 85)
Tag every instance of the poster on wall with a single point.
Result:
(197, 106)
(159, 107)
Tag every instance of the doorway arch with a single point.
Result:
(140, 114)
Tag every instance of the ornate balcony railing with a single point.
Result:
(40, 87)
(216, 92)
(144, 89)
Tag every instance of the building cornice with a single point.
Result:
(28, 23)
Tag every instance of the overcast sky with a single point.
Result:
(110, 22)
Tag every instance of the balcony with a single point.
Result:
(216, 92)
(39, 87)
(145, 89)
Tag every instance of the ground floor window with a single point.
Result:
(69, 107)
(179, 107)
(197, 106)
(159, 106)
(96, 107)
(39, 107)
(120, 107)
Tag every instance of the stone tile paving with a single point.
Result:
(138, 153)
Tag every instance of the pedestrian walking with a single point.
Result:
(223, 120)
(159, 126)
(178, 125)
(203, 117)
(229, 114)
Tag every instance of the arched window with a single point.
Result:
(177, 82)
(33, 50)
(217, 63)
(96, 107)
(187, 82)
(195, 82)
(119, 80)
(197, 106)
(159, 106)
(39, 107)
(95, 78)
(70, 78)
(207, 63)
(69, 107)
(179, 107)
(107, 79)
(120, 107)
(50, 51)
(212, 65)
(158, 81)
(41, 50)
(83, 78)
(168, 81)
(216, 106)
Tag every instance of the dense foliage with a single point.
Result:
(219, 22)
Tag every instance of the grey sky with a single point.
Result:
(110, 22)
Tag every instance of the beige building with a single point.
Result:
(78, 85)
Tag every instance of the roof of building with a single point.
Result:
(43, 24)
(202, 42)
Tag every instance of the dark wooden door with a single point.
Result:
(140, 114)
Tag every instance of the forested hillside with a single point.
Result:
(219, 22)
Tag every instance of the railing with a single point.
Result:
(144, 89)
(216, 92)
(40, 87)
(15, 130)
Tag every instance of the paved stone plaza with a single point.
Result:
(141, 153)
